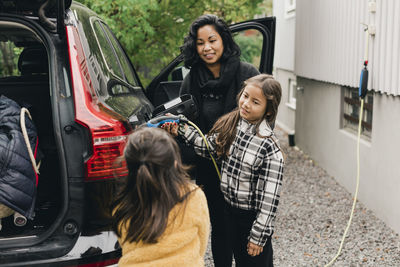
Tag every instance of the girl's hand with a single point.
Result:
(171, 127)
(253, 249)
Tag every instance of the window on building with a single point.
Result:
(290, 8)
(351, 111)
(292, 88)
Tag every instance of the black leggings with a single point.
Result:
(220, 246)
(239, 223)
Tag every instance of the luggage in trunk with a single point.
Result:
(29, 87)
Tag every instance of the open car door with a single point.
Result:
(256, 39)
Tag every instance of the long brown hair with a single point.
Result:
(225, 126)
(156, 182)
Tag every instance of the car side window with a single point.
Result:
(125, 63)
(250, 42)
(124, 93)
(109, 56)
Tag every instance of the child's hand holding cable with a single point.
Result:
(171, 127)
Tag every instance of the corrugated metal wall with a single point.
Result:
(330, 42)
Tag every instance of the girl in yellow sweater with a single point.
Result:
(160, 217)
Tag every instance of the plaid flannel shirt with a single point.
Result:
(251, 174)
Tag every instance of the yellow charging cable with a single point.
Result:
(358, 155)
(357, 184)
(208, 147)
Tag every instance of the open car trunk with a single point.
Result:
(24, 78)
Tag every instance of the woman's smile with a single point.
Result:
(209, 56)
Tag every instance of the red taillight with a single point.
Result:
(106, 159)
(107, 129)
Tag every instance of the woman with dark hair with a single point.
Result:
(160, 216)
(215, 78)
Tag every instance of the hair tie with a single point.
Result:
(142, 162)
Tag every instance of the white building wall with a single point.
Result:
(330, 42)
(329, 53)
(318, 134)
(284, 61)
(284, 36)
(287, 111)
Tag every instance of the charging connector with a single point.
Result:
(158, 121)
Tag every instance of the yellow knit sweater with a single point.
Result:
(183, 243)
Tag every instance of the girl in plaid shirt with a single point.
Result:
(251, 170)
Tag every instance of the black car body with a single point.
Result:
(85, 98)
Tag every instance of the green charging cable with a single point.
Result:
(362, 93)
(208, 147)
(357, 185)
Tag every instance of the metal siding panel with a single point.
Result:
(383, 55)
(354, 31)
(396, 48)
(376, 48)
(353, 36)
(362, 40)
(330, 42)
(359, 36)
(389, 48)
(344, 74)
(393, 52)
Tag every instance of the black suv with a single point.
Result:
(61, 61)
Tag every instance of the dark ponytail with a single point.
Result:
(156, 182)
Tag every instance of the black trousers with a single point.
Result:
(239, 223)
(207, 178)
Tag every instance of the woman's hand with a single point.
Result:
(253, 249)
(171, 127)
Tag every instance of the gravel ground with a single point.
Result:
(312, 216)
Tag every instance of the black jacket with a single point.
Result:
(204, 169)
(17, 176)
(245, 71)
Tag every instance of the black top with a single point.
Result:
(213, 105)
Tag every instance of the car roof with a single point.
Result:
(31, 7)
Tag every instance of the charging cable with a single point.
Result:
(362, 91)
(158, 121)
(208, 147)
(357, 185)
